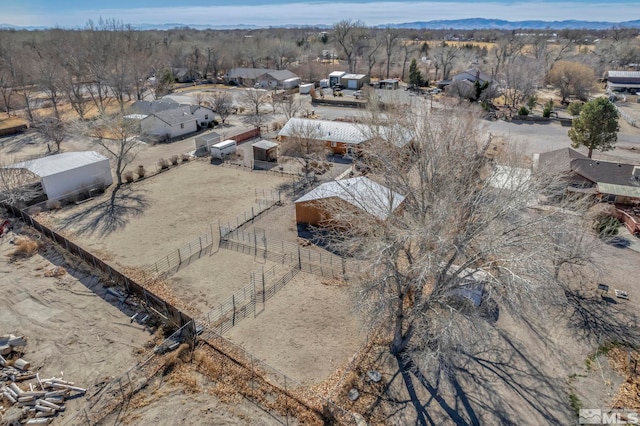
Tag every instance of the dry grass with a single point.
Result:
(625, 361)
(26, 247)
(8, 121)
(57, 272)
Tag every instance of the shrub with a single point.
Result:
(532, 101)
(54, 204)
(606, 226)
(25, 246)
(185, 158)
(163, 164)
(523, 110)
(548, 108)
(174, 160)
(574, 108)
(141, 171)
(128, 176)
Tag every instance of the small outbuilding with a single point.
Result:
(204, 142)
(265, 150)
(360, 192)
(354, 81)
(334, 78)
(70, 173)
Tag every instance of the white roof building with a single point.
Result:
(363, 193)
(69, 173)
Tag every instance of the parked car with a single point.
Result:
(358, 94)
(337, 87)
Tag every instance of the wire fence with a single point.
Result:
(627, 117)
(118, 391)
(284, 398)
(282, 169)
(191, 251)
(286, 252)
(263, 285)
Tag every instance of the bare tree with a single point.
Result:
(222, 104)
(391, 38)
(443, 57)
(53, 130)
(18, 185)
(519, 79)
(350, 36)
(7, 76)
(255, 101)
(571, 78)
(289, 104)
(118, 136)
(304, 143)
(465, 244)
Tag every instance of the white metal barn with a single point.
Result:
(70, 172)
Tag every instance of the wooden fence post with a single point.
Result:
(233, 301)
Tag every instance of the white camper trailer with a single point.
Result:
(223, 149)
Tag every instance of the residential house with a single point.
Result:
(185, 75)
(171, 123)
(259, 77)
(361, 193)
(607, 181)
(340, 137)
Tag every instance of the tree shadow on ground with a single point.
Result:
(498, 383)
(109, 215)
(601, 318)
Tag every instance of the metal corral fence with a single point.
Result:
(203, 244)
(171, 263)
(284, 398)
(283, 169)
(263, 285)
(306, 260)
(152, 301)
(627, 117)
(118, 391)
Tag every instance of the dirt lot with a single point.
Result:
(70, 328)
(306, 331)
(160, 214)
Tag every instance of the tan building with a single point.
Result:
(361, 193)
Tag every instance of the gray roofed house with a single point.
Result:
(151, 107)
(608, 181)
(262, 77)
(472, 75)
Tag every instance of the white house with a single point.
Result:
(170, 123)
(203, 115)
(70, 173)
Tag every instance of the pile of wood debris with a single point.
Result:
(24, 397)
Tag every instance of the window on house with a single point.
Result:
(182, 125)
(206, 116)
(333, 144)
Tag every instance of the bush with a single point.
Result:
(163, 164)
(25, 246)
(548, 108)
(128, 176)
(53, 204)
(532, 101)
(174, 160)
(606, 226)
(574, 108)
(141, 171)
(523, 111)
(185, 158)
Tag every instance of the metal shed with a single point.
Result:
(204, 142)
(70, 173)
(265, 150)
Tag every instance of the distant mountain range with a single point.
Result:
(456, 24)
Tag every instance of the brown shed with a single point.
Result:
(265, 150)
(360, 192)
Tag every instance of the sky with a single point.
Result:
(76, 13)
